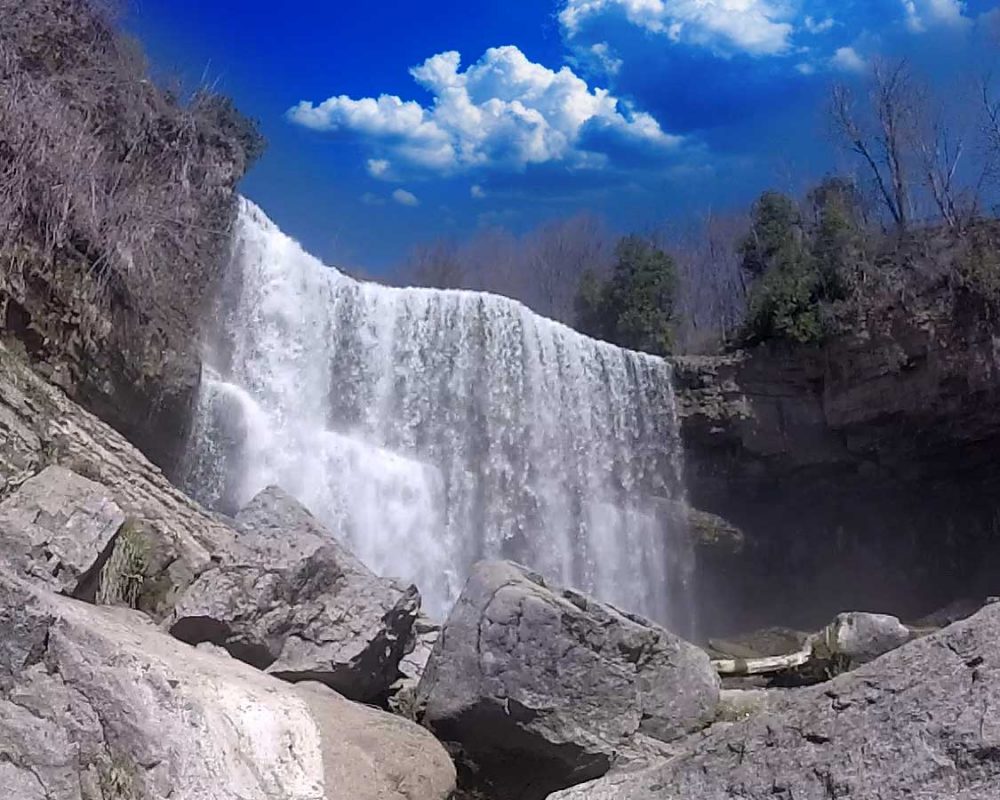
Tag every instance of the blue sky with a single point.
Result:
(393, 122)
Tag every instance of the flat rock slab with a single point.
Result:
(98, 704)
(920, 722)
(57, 527)
(540, 688)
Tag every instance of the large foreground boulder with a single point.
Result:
(98, 704)
(57, 528)
(288, 598)
(539, 688)
(920, 722)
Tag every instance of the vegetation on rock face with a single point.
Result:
(124, 574)
(800, 266)
(117, 781)
(978, 265)
(101, 165)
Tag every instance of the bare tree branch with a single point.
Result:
(882, 137)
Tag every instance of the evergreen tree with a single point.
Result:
(636, 306)
(775, 234)
(642, 296)
(801, 266)
(837, 238)
(591, 307)
(786, 288)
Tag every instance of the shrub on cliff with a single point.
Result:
(977, 269)
(801, 266)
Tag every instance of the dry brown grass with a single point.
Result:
(100, 166)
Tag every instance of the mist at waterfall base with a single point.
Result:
(431, 429)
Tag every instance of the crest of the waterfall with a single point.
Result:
(435, 428)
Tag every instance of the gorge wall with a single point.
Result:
(440, 428)
(864, 474)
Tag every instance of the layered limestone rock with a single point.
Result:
(290, 599)
(40, 427)
(918, 722)
(58, 528)
(97, 704)
(538, 688)
(862, 473)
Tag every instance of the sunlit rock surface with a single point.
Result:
(100, 704)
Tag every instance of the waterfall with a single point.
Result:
(433, 428)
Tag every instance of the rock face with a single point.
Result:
(97, 704)
(863, 473)
(403, 699)
(40, 427)
(106, 300)
(918, 722)
(289, 599)
(57, 528)
(540, 688)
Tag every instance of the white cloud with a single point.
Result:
(370, 199)
(477, 192)
(816, 26)
(847, 59)
(378, 167)
(504, 111)
(405, 198)
(922, 14)
(757, 27)
(606, 58)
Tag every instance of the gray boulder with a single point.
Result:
(538, 688)
(57, 528)
(856, 638)
(98, 704)
(920, 722)
(289, 599)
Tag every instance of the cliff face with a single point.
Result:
(110, 238)
(136, 370)
(863, 473)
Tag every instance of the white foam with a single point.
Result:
(433, 428)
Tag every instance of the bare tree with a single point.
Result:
(990, 110)
(435, 265)
(557, 254)
(941, 146)
(713, 286)
(494, 262)
(882, 134)
(542, 269)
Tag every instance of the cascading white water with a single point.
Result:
(434, 428)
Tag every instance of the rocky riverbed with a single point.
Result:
(152, 649)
